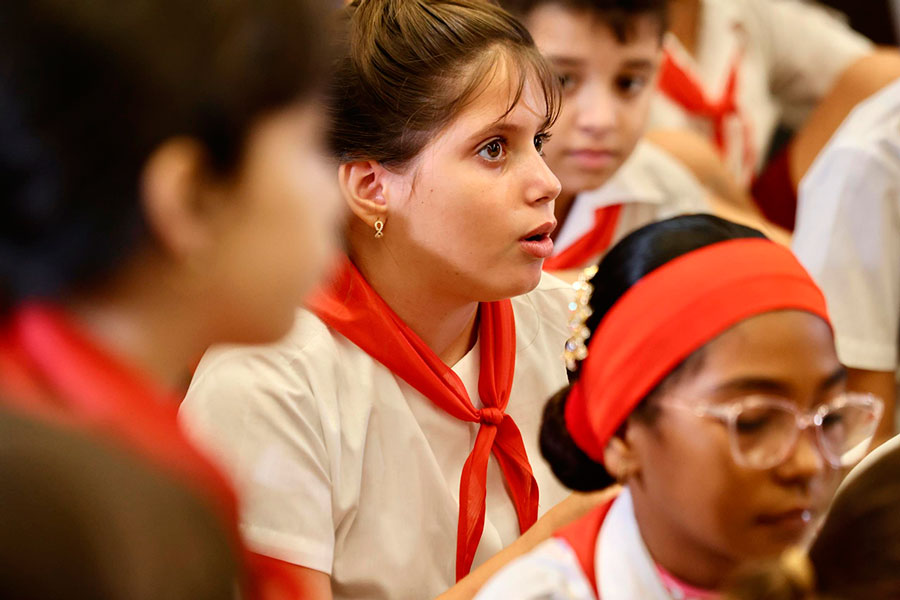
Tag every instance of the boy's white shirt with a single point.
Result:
(624, 567)
(793, 53)
(650, 185)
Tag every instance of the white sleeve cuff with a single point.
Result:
(296, 550)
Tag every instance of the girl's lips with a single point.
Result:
(538, 246)
(798, 520)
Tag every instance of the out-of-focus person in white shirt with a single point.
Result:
(735, 70)
(848, 236)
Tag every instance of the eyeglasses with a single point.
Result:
(763, 431)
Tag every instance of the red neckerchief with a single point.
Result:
(352, 308)
(581, 535)
(683, 88)
(51, 369)
(591, 245)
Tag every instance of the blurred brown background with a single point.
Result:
(878, 19)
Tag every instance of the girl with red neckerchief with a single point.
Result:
(707, 384)
(388, 446)
(161, 193)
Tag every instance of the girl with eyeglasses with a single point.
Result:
(706, 383)
(856, 553)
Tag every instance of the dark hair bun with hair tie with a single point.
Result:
(569, 463)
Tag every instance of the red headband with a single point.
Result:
(670, 313)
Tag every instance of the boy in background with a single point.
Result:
(607, 54)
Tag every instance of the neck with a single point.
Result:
(146, 327)
(684, 22)
(676, 551)
(561, 209)
(446, 323)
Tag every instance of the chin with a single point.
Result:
(524, 283)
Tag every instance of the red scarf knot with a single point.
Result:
(491, 416)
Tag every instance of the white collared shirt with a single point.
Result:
(848, 231)
(650, 185)
(793, 53)
(344, 468)
(625, 570)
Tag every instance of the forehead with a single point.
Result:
(495, 101)
(792, 348)
(561, 32)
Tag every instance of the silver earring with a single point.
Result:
(379, 228)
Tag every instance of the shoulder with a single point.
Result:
(765, 12)
(309, 344)
(300, 377)
(861, 162)
(873, 126)
(549, 572)
(777, 23)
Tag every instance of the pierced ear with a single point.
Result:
(619, 457)
(363, 185)
(171, 183)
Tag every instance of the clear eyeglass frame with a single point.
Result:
(867, 407)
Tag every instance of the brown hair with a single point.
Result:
(412, 65)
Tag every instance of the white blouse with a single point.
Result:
(344, 468)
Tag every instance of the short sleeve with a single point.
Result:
(255, 409)
(807, 50)
(848, 237)
(549, 572)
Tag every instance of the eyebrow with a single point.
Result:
(837, 377)
(501, 126)
(638, 63)
(752, 384)
(774, 386)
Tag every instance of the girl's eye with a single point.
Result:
(539, 141)
(492, 151)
